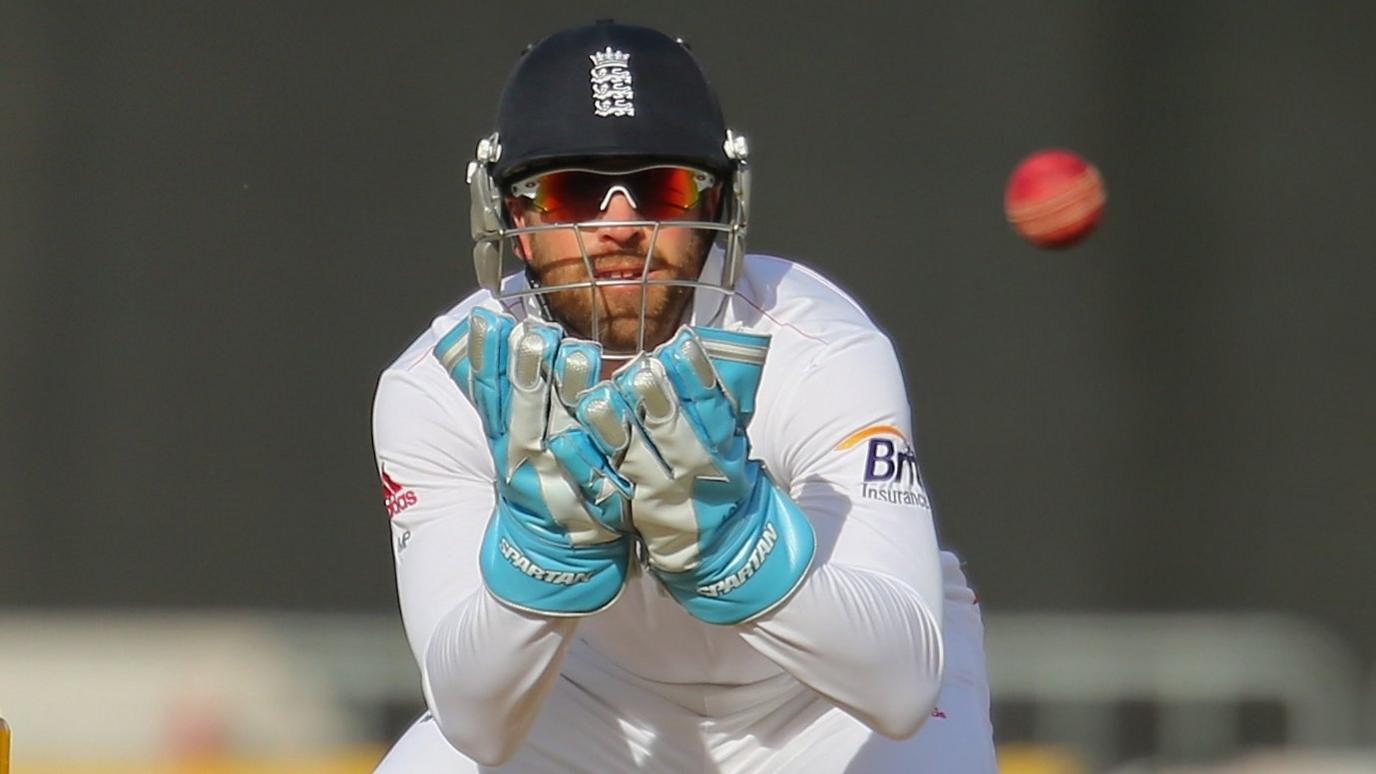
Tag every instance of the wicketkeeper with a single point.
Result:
(656, 506)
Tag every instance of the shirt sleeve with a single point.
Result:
(864, 628)
(485, 668)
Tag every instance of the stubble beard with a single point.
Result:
(619, 313)
(619, 307)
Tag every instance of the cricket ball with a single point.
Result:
(1054, 198)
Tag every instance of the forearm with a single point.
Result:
(487, 670)
(863, 639)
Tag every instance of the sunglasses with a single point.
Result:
(578, 195)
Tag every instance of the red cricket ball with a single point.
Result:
(1054, 198)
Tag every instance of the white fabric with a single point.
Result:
(856, 653)
(598, 719)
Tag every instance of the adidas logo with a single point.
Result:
(397, 497)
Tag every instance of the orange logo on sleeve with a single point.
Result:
(890, 474)
(867, 432)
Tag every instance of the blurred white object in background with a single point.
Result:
(1275, 762)
(1196, 673)
(146, 686)
(104, 687)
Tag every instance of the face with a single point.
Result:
(616, 252)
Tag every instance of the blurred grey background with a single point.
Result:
(220, 221)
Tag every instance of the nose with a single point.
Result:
(619, 207)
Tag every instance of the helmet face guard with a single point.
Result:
(495, 235)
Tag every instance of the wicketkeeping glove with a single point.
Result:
(721, 536)
(552, 544)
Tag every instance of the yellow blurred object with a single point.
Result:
(1039, 759)
(361, 760)
(4, 746)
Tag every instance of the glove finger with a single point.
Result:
(452, 352)
(669, 430)
(606, 417)
(706, 405)
(738, 359)
(645, 389)
(576, 369)
(691, 370)
(578, 454)
(602, 490)
(531, 351)
(487, 382)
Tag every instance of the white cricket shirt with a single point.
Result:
(832, 425)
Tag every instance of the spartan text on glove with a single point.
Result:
(558, 578)
(737, 579)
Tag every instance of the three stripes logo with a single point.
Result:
(397, 497)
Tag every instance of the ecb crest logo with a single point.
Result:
(612, 94)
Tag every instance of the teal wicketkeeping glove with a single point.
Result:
(552, 544)
(721, 536)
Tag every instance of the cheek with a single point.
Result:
(679, 244)
(546, 247)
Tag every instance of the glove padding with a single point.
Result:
(553, 544)
(721, 536)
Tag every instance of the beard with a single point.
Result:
(619, 324)
(617, 309)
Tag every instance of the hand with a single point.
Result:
(721, 536)
(552, 544)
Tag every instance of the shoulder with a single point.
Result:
(803, 310)
(414, 389)
(830, 372)
(822, 343)
(417, 352)
(783, 293)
